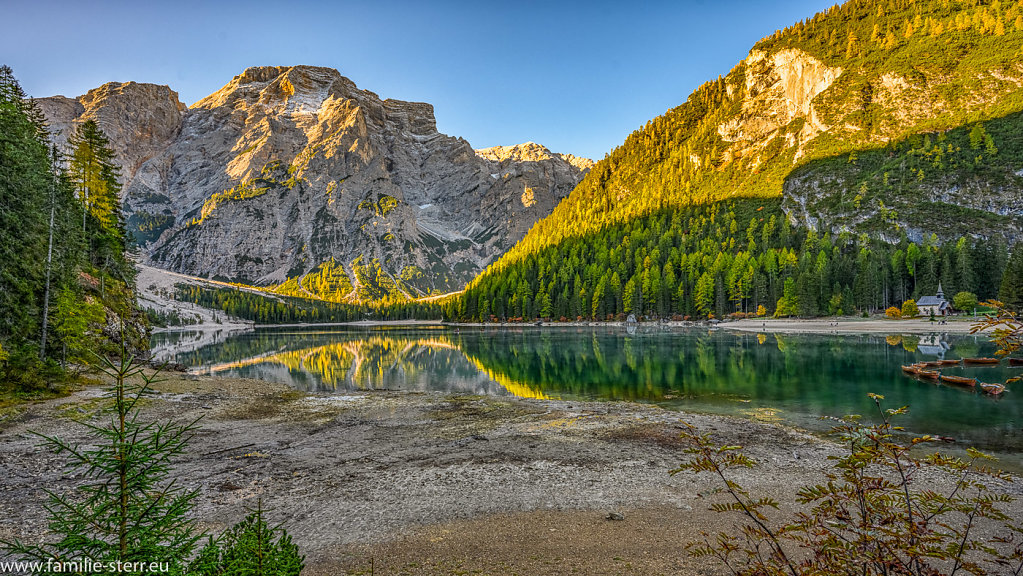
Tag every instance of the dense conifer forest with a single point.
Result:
(268, 308)
(732, 258)
(66, 283)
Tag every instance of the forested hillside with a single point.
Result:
(66, 285)
(961, 181)
(896, 119)
(727, 258)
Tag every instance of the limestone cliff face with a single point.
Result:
(141, 120)
(781, 102)
(285, 168)
(779, 89)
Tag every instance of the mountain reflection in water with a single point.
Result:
(794, 378)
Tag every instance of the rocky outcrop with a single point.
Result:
(285, 168)
(779, 88)
(788, 98)
(948, 205)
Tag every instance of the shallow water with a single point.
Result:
(793, 379)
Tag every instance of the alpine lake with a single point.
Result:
(799, 380)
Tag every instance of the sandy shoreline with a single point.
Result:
(422, 483)
(850, 326)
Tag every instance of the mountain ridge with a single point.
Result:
(851, 161)
(287, 171)
(866, 71)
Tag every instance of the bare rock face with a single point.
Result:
(141, 120)
(779, 88)
(61, 114)
(531, 152)
(528, 182)
(286, 168)
(788, 98)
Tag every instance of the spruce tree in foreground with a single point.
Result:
(250, 548)
(129, 509)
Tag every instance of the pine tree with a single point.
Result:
(93, 172)
(24, 192)
(95, 178)
(788, 304)
(704, 297)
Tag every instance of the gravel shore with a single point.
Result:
(416, 483)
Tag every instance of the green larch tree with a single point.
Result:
(95, 178)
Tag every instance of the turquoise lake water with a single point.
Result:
(792, 379)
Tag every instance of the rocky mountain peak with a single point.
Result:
(527, 152)
(303, 91)
(292, 170)
(583, 164)
(531, 152)
(297, 88)
(129, 91)
(262, 74)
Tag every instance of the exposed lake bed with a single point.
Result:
(410, 479)
(451, 450)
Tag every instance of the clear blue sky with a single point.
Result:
(577, 77)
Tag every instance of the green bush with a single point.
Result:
(965, 301)
(910, 309)
(22, 371)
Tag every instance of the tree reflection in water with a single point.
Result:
(792, 377)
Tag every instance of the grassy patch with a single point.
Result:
(265, 407)
(464, 416)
